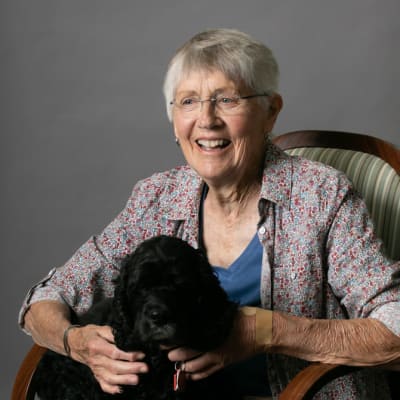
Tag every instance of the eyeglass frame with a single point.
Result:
(213, 100)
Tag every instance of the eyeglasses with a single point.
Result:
(224, 104)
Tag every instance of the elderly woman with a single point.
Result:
(290, 240)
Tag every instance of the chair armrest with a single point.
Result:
(311, 379)
(22, 389)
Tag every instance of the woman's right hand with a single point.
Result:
(94, 346)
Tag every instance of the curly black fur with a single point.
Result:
(166, 294)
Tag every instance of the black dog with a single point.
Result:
(166, 295)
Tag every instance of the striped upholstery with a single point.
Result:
(377, 182)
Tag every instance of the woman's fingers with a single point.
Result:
(198, 365)
(204, 365)
(239, 345)
(94, 346)
(111, 374)
(103, 343)
(182, 354)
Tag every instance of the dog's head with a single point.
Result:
(167, 294)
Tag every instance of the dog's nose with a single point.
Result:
(155, 315)
(158, 317)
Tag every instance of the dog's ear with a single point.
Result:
(123, 304)
(134, 273)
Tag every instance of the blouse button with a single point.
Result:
(262, 230)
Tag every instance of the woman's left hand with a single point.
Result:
(240, 345)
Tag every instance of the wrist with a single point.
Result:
(66, 343)
(263, 320)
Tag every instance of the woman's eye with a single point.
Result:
(225, 100)
(187, 102)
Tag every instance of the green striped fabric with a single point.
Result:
(377, 182)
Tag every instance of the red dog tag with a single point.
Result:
(179, 380)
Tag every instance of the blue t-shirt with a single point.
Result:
(241, 280)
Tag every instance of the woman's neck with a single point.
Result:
(233, 200)
(230, 218)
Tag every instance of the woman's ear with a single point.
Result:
(275, 106)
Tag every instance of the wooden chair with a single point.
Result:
(374, 167)
(358, 156)
(23, 389)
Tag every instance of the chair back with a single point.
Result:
(373, 166)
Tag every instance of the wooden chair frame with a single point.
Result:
(22, 389)
(341, 140)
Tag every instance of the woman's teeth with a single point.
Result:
(213, 144)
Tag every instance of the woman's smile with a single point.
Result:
(212, 144)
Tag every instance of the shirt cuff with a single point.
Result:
(37, 293)
(389, 315)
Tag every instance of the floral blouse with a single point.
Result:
(321, 258)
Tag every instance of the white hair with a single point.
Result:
(234, 53)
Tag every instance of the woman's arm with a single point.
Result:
(92, 345)
(46, 321)
(357, 342)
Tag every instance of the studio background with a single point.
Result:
(82, 115)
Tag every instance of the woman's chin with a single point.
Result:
(215, 177)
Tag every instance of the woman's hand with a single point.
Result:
(94, 346)
(250, 335)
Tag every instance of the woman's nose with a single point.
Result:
(208, 114)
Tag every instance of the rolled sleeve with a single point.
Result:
(389, 315)
(34, 294)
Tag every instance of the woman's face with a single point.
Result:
(223, 147)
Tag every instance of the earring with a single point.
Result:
(268, 138)
(177, 141)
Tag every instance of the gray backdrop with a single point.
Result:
(82, 114)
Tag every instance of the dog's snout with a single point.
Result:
(157, 314)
